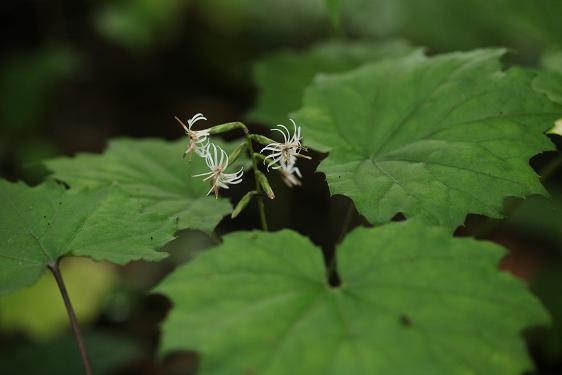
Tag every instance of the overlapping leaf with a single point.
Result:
(549, 81)
(413, 300)
(152, 171)
(39, 225)
(282, 78)
(435, 138)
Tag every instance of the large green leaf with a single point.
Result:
(154, 172)
(413, 300)
(282, 77)
(41, 224)
(435, 138)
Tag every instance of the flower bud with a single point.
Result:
(264, 183)
(261, 139)
(236, 153)
(223, 128)
(241, 205)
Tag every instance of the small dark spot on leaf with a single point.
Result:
(405, 320)
(339, 176)
(44, 216)
(49, 224)
(60, 203)
(151, 237)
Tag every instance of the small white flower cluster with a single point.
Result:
(283, 156)
(215, 157)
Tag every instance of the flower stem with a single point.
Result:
(55, 270)
(259, 197)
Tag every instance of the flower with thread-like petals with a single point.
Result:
(217, 161)
(198, 139)
(283, 155)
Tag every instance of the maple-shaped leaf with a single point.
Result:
(281, 78)
(434, 138)
(152, 171)
(412, 300)
(41, 224)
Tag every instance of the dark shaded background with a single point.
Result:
(75, 73)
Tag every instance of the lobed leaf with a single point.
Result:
(432, 138)
(152, 171)
(41, 224)
(413, 300)
(282, 77)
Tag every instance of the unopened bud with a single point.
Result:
(261, 139)
(236, 153)
(264, 183)
(242, 203)
(223, 128)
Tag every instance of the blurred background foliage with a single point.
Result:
(75, 73)
(88, 283)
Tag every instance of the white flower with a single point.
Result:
(217, 165)
(284, 155)
(287, 175)
(198, 139)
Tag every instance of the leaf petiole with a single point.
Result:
(55, 270)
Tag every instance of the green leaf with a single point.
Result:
(88, 283)
(334, 9)
(108, 353)
(434, 138)
(242, 203)
(28, 87)
(154, 172)
(549, 82)
(139, 24)
(539, 218)
(444, 25)
(282, 77)
(413, 300)
(41, 224)
(27, 82)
